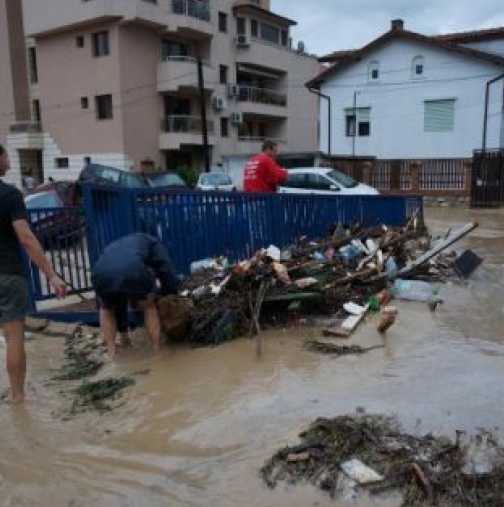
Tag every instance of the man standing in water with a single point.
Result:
(15, 234)
(126, 273)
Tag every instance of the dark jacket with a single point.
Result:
(131, 266)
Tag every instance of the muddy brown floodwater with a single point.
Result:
(197, 428)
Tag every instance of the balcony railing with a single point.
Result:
(179, 124)
(199, 9)
(26, 127)
(259, 139)
(261, 96)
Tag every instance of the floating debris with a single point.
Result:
(98, 395)
(374, 452)
(338, 350)
(349, 265)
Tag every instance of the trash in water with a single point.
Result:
(338, 350)
(274, 253)
(414, 290)
(359, 472)
(388, 318)
(426, 470)
(467, 263)
(98, 395)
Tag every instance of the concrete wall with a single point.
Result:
(397, 104)
(141, 104)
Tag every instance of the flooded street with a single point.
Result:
(195, 430)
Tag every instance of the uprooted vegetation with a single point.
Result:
(427, 470)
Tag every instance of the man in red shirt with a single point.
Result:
(262, 173)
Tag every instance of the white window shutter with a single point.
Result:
(439, 115)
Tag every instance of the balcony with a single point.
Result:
(191, 18)
(26, 127)
(176, 73)
(26, 135)
(261, 101)
(184, 130)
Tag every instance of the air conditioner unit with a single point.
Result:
(237, 118)
(219, 104)
(232, 91)
(242, 41)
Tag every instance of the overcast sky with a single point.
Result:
(329, 25)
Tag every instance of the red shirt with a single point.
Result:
(263, 174)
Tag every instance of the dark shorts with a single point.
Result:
(14, 298)
(118, 303)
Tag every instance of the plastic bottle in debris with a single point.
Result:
(414, 290)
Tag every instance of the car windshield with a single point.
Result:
(166, 180)
(130, 180)
(342, 179)
(43, 200)
(216, 179)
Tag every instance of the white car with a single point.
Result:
(323, 181)
(215, 182)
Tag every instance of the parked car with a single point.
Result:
(58, 228)
(323, 181)
(215, 181)
(168, 180)
(110, 176)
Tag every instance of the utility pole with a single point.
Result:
(355, 123)
(487, 100)
(201, 85)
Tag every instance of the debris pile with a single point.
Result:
(349, 265)
(85, 356)
(367, 453)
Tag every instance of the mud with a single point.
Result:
(199, 425)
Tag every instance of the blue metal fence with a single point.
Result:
(196, 225)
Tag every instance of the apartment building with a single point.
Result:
(116, 82)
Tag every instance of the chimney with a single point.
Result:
(397, 24)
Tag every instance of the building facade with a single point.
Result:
(409, 96)
(116, 82)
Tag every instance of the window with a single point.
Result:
(418, 67)
(79, 41)
(285, 37)
(270, 33)
(358, 122)
(374, 71)
(36, 111)
(439, 115)
(317, 182)
(32, 63)
(296, 181)
(240, 26)
(62, 163)
(350, 125)
(174, 50)
(104, 108)
(254, 28)
(223, 74)
(101, 45)
(84, 102)
(223, 22)
(224, 126)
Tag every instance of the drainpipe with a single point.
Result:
(329, 117)
(487, 100)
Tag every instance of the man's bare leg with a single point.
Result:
(16, 359)
(108, 326)
(152, 323)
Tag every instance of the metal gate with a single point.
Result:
(487, 190)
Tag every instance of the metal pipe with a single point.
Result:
(329, 117)
(201, 85)
(355, 123)
(487, 101)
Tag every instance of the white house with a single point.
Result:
(409, 96)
